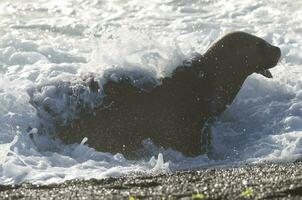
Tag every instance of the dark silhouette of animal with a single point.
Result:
(173, 113)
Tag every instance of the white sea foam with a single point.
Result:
(44, 44)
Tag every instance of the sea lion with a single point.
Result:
(173, 113)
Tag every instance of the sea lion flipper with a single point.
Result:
(206, 138)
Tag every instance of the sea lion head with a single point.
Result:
(240, 52)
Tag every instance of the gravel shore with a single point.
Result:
(262, 181)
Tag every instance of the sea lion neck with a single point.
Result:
(221, 63)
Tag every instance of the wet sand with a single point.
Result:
(262, 181)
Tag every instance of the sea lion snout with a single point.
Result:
(272, 57)
(273, 53)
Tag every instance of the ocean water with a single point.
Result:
(44, 44)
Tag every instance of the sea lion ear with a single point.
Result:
(266, 73)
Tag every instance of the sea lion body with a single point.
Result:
(173, 113)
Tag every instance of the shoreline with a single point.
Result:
(260, 181)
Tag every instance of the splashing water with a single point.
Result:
(44, 44)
